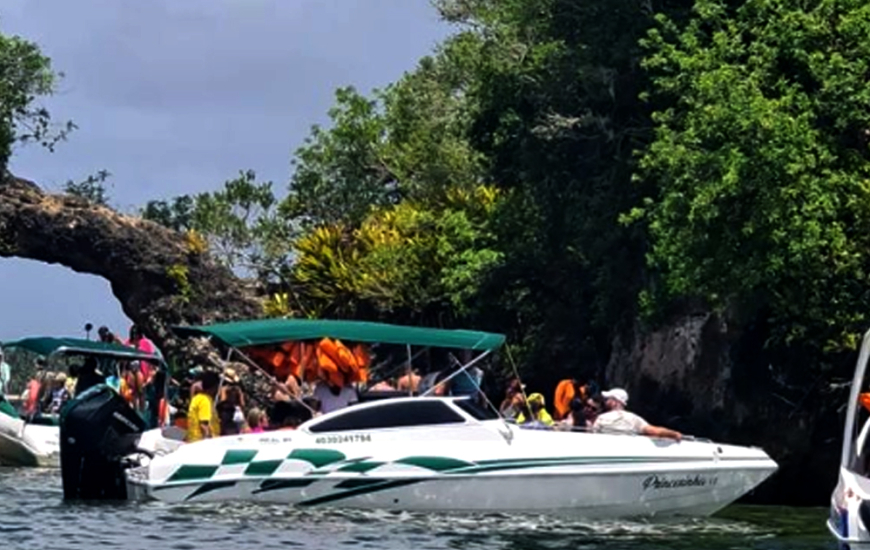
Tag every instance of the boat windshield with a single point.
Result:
(402, 414)
(476, 411)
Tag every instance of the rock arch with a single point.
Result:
(156, 274)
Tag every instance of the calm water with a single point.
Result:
(33, 516)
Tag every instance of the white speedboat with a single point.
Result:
(443, 454)
(849, 519)
(35, 441)
(27, 443)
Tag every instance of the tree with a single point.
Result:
(25, 75)
(92, 188)
(555, 109)
(413, 261)
(176, 213)
(241, 224)
(405, 143)
(761, 162)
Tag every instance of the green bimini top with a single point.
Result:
(276, 331)
(48, 346)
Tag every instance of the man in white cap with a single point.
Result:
(619, 420)
(5, 374)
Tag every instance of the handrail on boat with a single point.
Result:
(583, 429)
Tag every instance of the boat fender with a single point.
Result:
(327, 364)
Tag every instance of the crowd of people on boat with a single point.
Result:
(210, 404)
(46, 392)
(578, 406)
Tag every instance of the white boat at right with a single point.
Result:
(849, 519)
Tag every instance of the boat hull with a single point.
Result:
(23, 444)
(847, 521)
(576, 485)
(592, 496)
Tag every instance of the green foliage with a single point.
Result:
(180, 276)
(340, 173)
(22, 367)
(92, 188)
(407, 143)
(556, 167)
(176, 213)
(407, 258)
(278, 305)
(554, 97)
(25, 75)
(241, 223)
(761, 161)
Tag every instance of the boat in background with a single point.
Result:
(35, 440)
(849, 519)
(27, 442)
(410, 453)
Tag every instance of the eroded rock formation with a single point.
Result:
(704, 377)
(158, 275)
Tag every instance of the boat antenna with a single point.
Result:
(516, 372)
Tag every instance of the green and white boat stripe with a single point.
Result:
(327, 461)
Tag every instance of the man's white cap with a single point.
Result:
(616, 393)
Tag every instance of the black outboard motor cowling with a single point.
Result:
(97, 431)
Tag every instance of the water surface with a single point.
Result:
(33, 516)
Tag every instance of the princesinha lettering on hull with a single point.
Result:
(664, 482)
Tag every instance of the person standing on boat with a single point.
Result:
(512, 403)
(107, 336)
(5, 374)
(30, 397)
(334, 397)
(87, 376)
(142, 343)
(202, 419)
(59, 394)
(618, 420)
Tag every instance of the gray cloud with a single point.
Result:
(176, 97)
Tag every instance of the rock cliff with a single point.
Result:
(706, 378)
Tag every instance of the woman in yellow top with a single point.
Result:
(535, 411)
(202, 419)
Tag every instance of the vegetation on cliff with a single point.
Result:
(625, 162)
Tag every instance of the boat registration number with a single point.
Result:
(349, 438)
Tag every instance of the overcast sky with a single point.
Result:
(177, 96)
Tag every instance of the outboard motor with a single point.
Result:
(98, 430)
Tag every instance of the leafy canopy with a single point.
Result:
(25, 75)
(761, 161)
